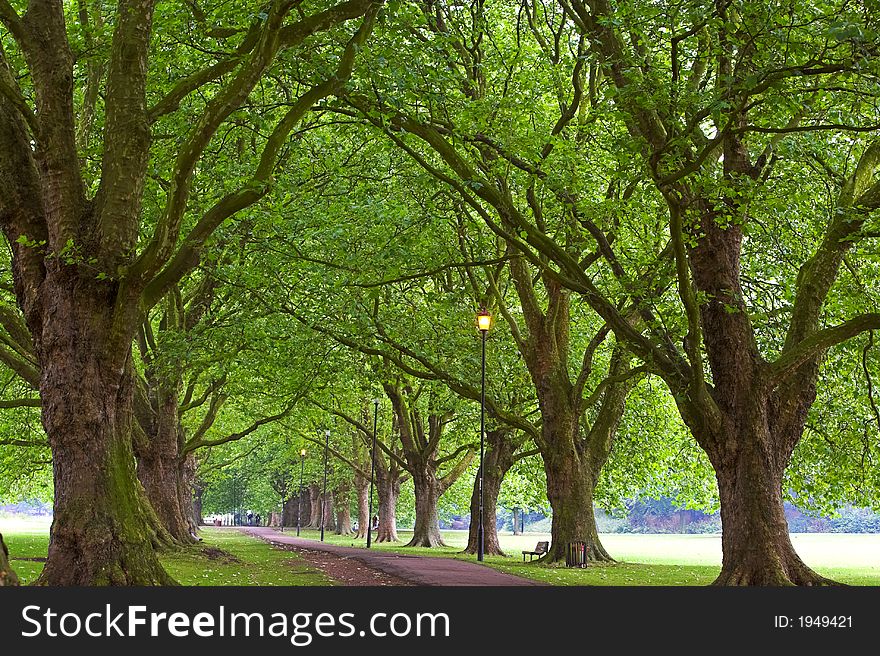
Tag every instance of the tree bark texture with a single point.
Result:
(104, 530)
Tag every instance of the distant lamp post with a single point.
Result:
(484, 322)
(372, 468)
(299, 497)
(324, 495)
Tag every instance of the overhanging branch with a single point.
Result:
(817, 342)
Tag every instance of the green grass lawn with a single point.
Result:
(642, 559)
(243, 560)
(645, 559)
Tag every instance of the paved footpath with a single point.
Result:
(420, 570)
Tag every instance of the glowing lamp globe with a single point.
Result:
(484, 320)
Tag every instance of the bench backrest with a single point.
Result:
(542, 547)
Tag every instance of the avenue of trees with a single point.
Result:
(231, 227)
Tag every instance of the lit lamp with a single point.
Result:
(299, 500)
(484, 322)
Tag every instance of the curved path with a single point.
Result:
(420, 570)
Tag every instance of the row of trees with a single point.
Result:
(228, 229)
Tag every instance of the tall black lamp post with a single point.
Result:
(484, 322)
(324, 495)
(372, 469)
(299, 497)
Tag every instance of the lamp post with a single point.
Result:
(484, 322)
(299, 497)
(372, 468)
(324, 494)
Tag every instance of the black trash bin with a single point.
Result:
(576, 554)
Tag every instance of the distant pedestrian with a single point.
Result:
(250, 517)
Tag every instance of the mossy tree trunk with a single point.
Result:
(104, 530)
(756, 547)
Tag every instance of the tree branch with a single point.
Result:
(21, 403)
(818, 342)
(188, 254)
(194, 444)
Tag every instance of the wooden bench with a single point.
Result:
(540, 550)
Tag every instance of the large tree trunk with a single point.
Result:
(426, 532)
(755, 544)
(573, 464)
(299, 509)
(388, 489)
(362, 487)
(570, 490)
(343, 519)
(491, 488)
(498, 460)
(104, 530)
(343, 510)
(329, 515)
(314, 507)
(7, 575)
(161, 471)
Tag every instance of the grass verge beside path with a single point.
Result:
(668, 559)
(254, 562)
(224, 557)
